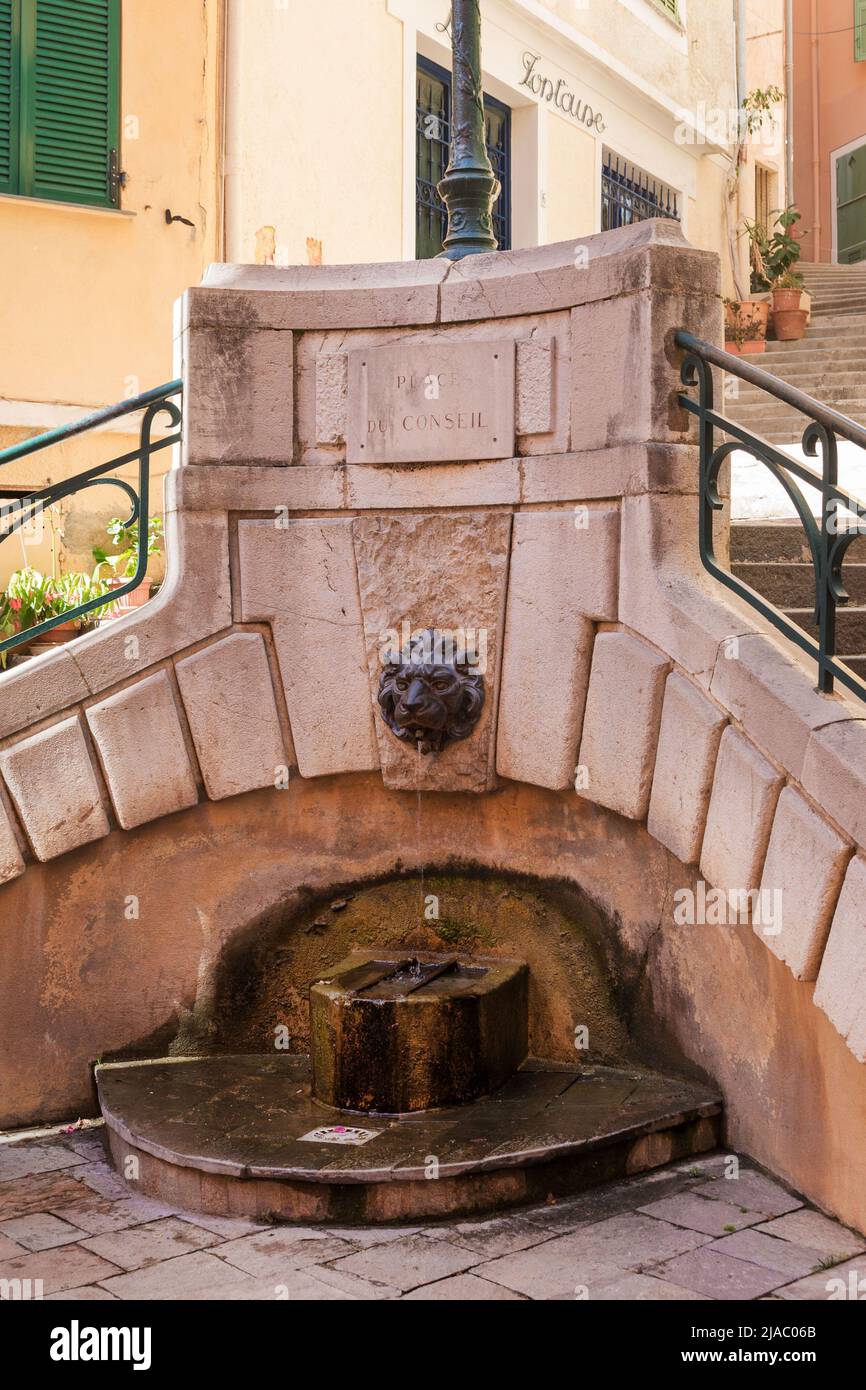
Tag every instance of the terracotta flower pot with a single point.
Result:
(63, 632)
(785, 300)
(136, 598)
(746, 325)
(790, 324)
(747, 347)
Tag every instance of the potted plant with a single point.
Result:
(746, 325)
(789, 318)
(773, 255)
(31, 598)
(124, 561)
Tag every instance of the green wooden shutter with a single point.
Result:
(9, 88)
(70, 61)
(860, 31)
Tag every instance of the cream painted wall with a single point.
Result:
(572, 196)
(88, 295)
(314, 139)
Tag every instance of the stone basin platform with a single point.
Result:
(224, 1135)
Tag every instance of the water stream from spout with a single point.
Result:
(418, 838)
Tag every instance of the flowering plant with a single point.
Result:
(32, 598)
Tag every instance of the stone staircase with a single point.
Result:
(773, 557)
(829, 364)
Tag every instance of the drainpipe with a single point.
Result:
(816, 137)
(741, 52)
(789, 101)
(732, 191)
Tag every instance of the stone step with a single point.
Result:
(850, 627)
(779, 412)
(830, 345)
(770, 542)
(845, 387)
(551, 1129)
(793, 585)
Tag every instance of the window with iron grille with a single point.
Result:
(432, 150)
(765, 195)
(629, 194)
(60, 99)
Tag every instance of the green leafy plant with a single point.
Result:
(774, 254)
(124, 560)
(32, 598)
(759, 104)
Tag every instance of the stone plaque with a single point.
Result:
(431, 402)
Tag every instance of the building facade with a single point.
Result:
(109, 208)
(140, 140)
(830, 127)
(598, 115)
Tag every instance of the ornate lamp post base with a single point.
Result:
(469, 195)
(470, 187)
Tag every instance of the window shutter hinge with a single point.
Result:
(116, 177)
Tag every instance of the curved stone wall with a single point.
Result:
(626, 691)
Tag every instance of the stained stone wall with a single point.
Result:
(621, 680)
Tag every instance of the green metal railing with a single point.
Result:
(842, 518)
(19, 507)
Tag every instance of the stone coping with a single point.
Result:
(393, 293)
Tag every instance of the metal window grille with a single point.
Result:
(629, 194)
(432, 151)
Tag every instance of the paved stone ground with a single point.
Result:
(683, 1232)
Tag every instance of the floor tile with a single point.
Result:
(139, 1246)
(40, 1231)
(718, 1276)
(188, 1276)
(406, 1264)
(752, 1191)
(815, 1232)
(68, 1267)
(768, 1252)
(462, 1288)
(701, 1214)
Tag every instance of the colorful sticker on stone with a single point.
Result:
(339, 1134)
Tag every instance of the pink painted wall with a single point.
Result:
(829, 111)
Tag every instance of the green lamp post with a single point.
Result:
(469, 187)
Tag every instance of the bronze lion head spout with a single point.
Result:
(429, 697)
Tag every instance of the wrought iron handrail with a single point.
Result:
(829, 538)
(18, 506)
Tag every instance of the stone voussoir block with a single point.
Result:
(141, 744)
(805, 865)
(841, 987)
(621, 724)
(232, 714)
(11, 858)
(563, 574)
(301, 578)
(53, 783)
(746, 788)
(834, 771)
(691, 730)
